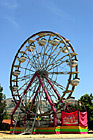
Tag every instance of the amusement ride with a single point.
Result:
(43, 73)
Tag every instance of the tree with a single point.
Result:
(87, 104)
(2, 105)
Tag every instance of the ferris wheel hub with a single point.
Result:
(42, 72)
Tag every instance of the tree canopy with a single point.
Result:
(2, 105)
(87, 104)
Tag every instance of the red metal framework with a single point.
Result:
(44, 71)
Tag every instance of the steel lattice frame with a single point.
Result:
(43, 69)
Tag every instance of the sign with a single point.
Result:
(70, 119)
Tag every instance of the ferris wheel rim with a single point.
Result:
(23, 46)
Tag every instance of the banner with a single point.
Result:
(70, 119)
(83, 118)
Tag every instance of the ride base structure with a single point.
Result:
(72, 123)
(44, 71)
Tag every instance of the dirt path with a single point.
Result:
(7, 135)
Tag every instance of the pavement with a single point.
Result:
(49, 139)
(5, 135)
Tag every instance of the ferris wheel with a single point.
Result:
(44, 71)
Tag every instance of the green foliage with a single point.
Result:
(33, 108)
(7, 116)
(2, 105)
(87, 104)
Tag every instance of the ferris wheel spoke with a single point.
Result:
(52, 93)
(56, 65)
(37, 57)
(42, 57)
(33, 94)
(55, 57)
(57, 84)
(49, 91)
(57, 91)
(41, 60)
(60, 59)
(44, 54)
(22, 86)
(46, 46)
(27, 69)
(46, 62)
(64, 72)
(49, 56)
(33, 63)
(31, 60)
(52, 52)
(38, 60)
(23, 77)
(50, 49)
